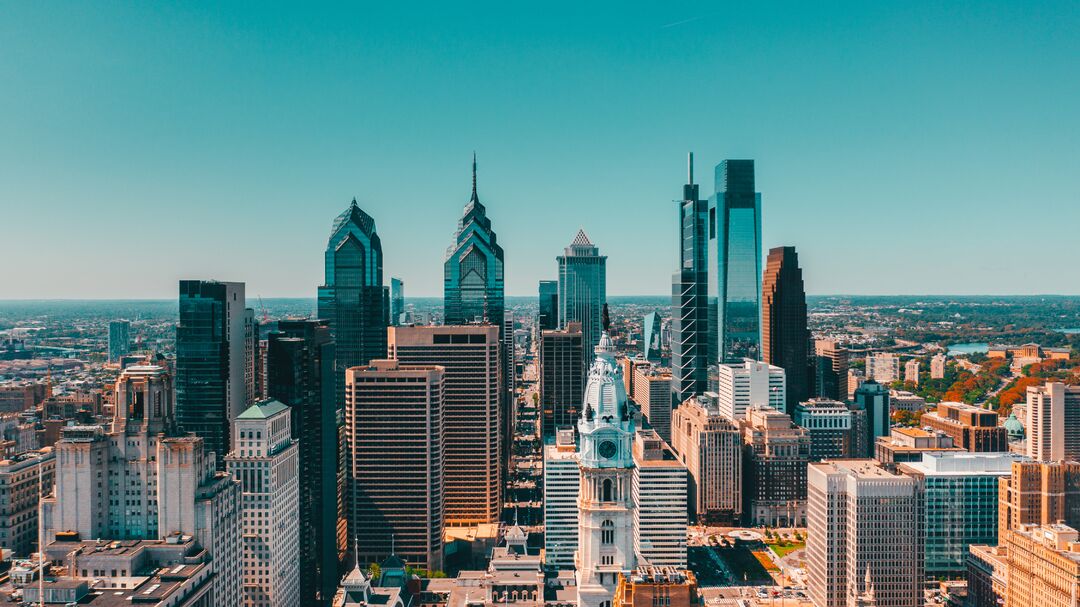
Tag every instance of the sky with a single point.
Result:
(901, 147)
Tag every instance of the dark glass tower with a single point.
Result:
(397, 300)
(548, 318)
(735, 262)
(211, 361)
(354, 300)
(785, 339)
(690, 336)
(583, 289)
(300, 372)
(473, 271)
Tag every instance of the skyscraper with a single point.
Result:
(395, 420)
(1053, 422)
(710, 445)
(548, 317)
(119, 339)
(264, 460)
(252, 358)
(831, 370)
(354, 299)
(650, 337)
(562, 480)
(397, 300)
(749, 383)
(583, 288)
(691, 337)
(785, 338)
(659, 495)
(469, 355)
(734, 279)
(211, 361)
(873, 399)
(562, 379)
(300, 374)
(473, 270)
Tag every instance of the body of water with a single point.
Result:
(1072, 331)
(971, 348)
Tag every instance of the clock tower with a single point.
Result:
(605, 503)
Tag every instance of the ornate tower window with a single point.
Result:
(607, 492)
(607, 533)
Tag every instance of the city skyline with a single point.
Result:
(888, 118)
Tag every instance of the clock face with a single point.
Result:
(607, 449)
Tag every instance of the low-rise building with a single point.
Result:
(904, 445)
(657, 587)
(973, 428)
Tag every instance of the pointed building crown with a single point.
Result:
(581, 239)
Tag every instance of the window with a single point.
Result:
(607, 533)
(606, 492)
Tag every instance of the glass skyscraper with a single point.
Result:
(735, 262)
(473, 271)
(690, 334)
(354, 300)
(583, 289)
(650, 337)
(548, 317)
(397, 300)
(211, 361)
(119, 339)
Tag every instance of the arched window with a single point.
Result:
(607, 533)
(606, 492)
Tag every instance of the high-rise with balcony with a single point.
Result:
(300, 374)
(734, 264)
(1053, 422)
(211, 361)
(469, 355)
(353, 298)
(264, 459)
(394, 419)
(785, 338)
(583, 288)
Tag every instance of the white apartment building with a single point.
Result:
(1053, 422)
(883, 367)
(562, 476)
(747, 384)
(911, 371)
(659, 493)
(937, 366)
(265, 459)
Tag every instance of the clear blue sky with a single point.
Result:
(902, 147)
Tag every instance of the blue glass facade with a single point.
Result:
(583, 289)
(735, 262)
(651, 337)
(692, 346)
(473, 271)
(548, 317)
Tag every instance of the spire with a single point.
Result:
(474, 198)
(690, 168)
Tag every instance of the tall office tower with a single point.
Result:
(958, 497)
(265, 459)
(508, 406)
(883, 367)
(562, 478)
(937, 366)
(971, 426)
(395, 417)
(863, 536)
(1053, 422)
(473, 271)
(470, 357)
(777, 452)
(211, 361)
(583, 288)
(119, 339)
(252, 358)
(831, 370)
(650, 339)
(562, 383)
(23, 478)
(692, 350)
(606, 543)
(548, 316)
(750, 383)
(652, 394)
(300, 374)
(911, 372)
(1039, 493)
(710, 446)
(659, 496)
(397, 301)
(1044, 566)
(828, 422)
(785, 338)
(140, 480)
(354, 299)
(734, 278)
(873, 399)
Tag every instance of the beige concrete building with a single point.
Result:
(24, 479)
(469, 356)
(937, 366)
(1044, 566)
(710, 446)
(1053, 422)
(974, 428)
(265, 459)
(395, 416)
(883, 367)
(905, 445)
(652, 392)
(911, 372)
(863, 536)
(987, 575)
(831, 370)
(776, 452)
(1039, 493)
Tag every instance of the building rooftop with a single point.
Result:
(264, 409)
